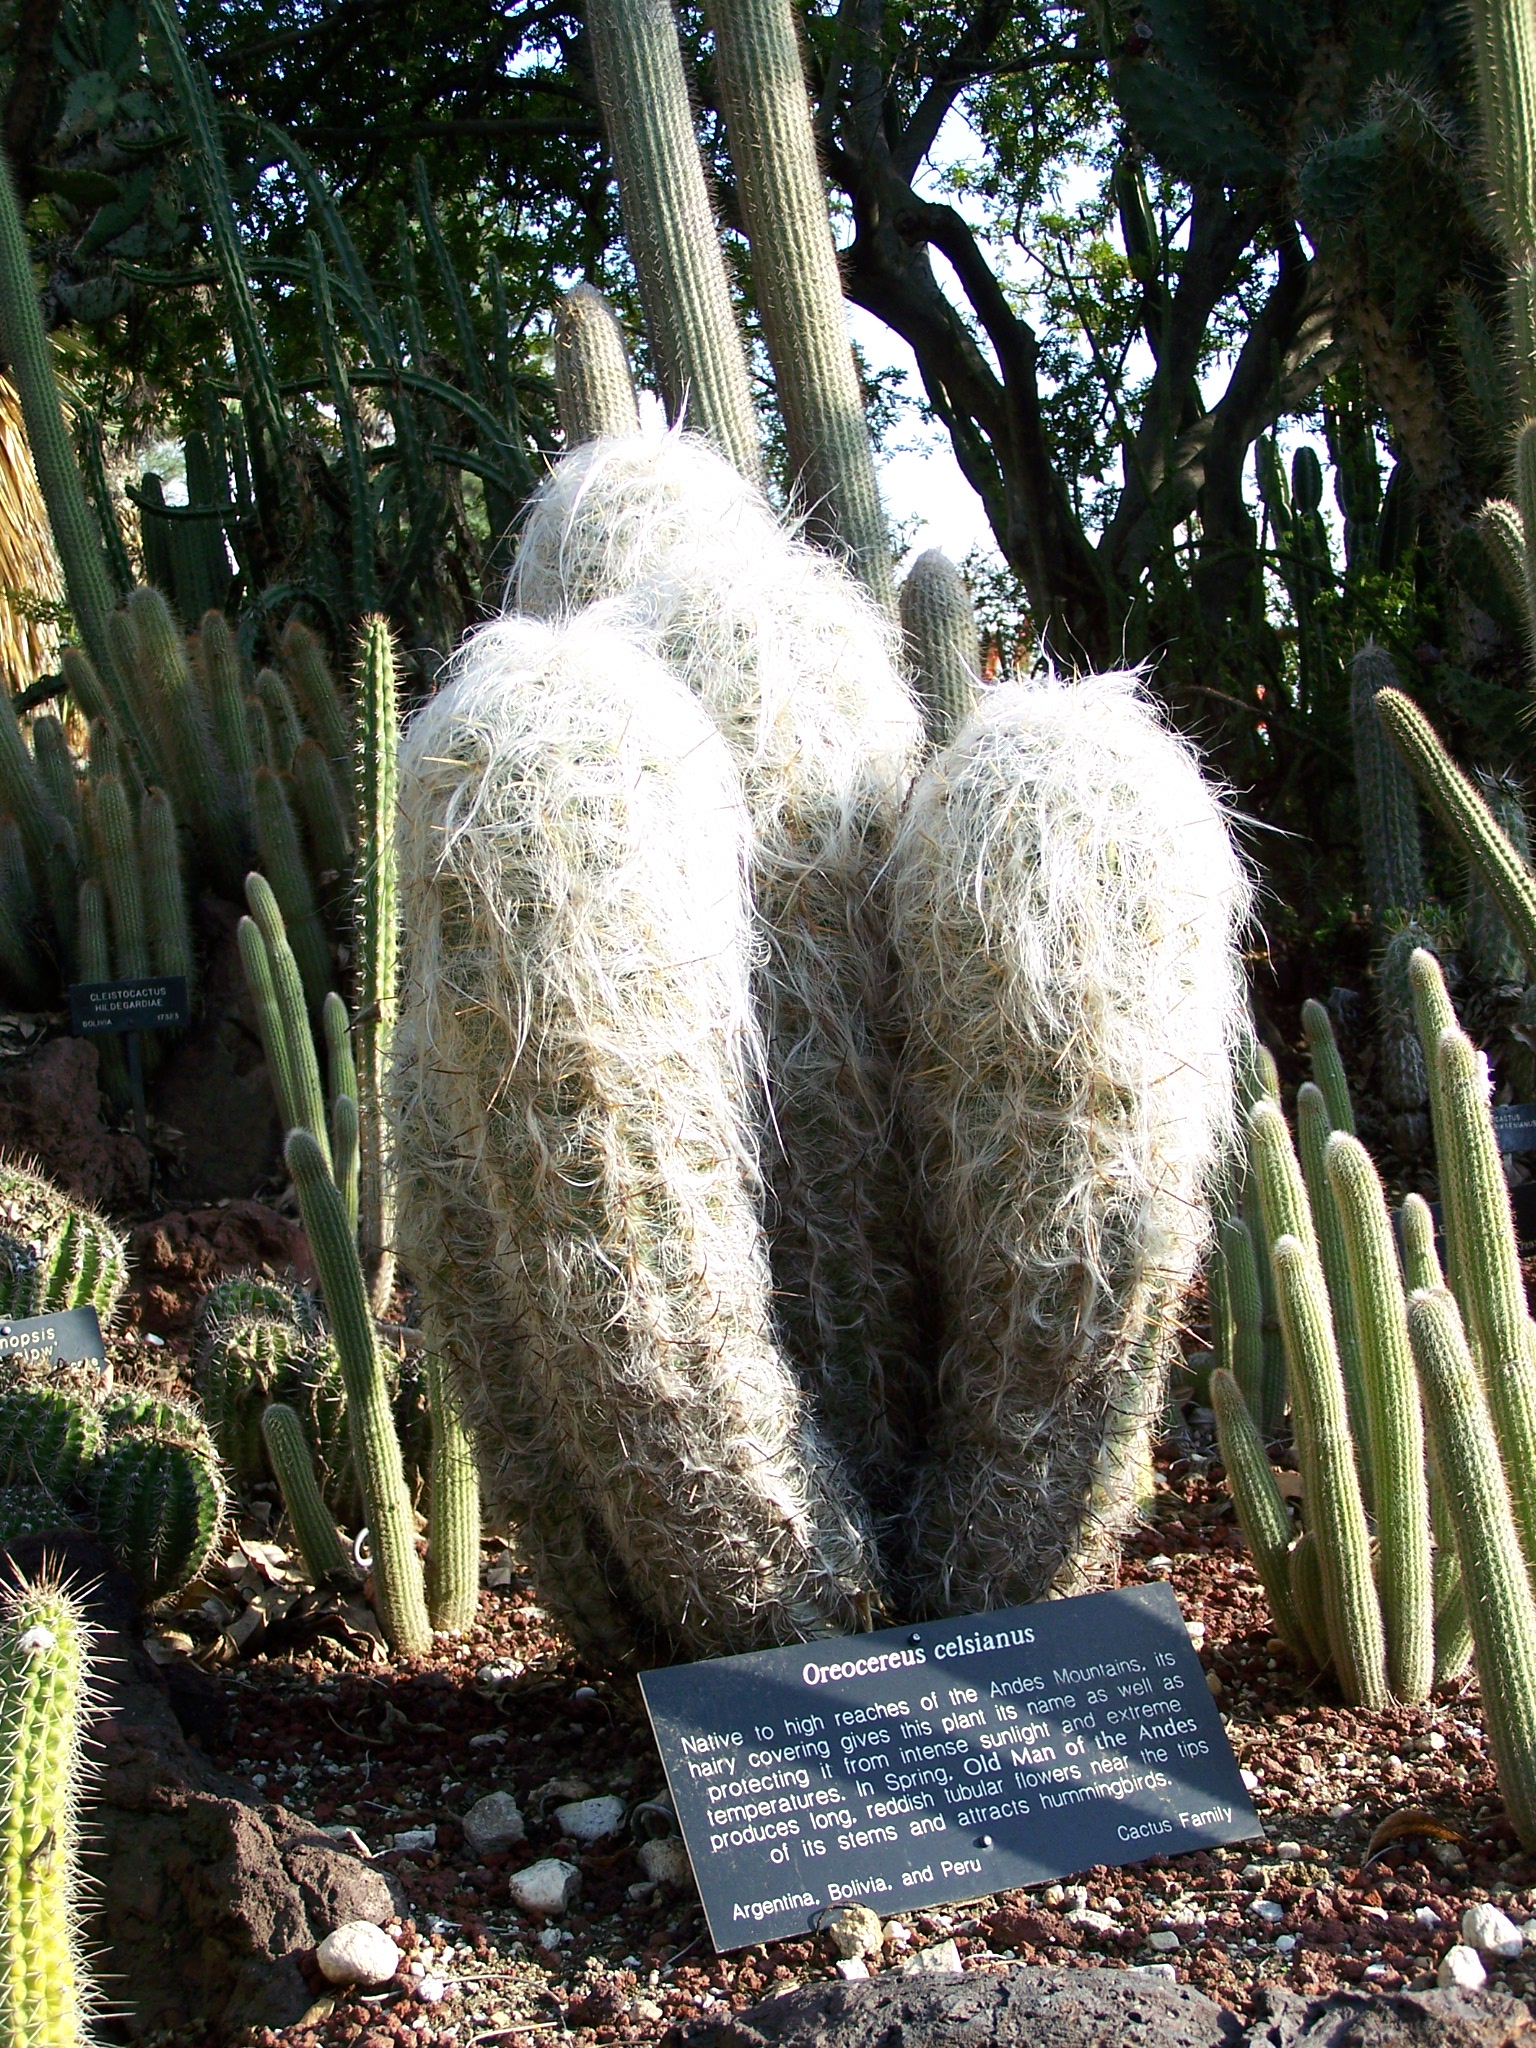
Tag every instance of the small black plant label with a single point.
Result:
(925, 1765)
(154, 1003)
(70, 1337)
(1514, 1126)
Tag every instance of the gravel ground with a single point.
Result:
(399, 1752)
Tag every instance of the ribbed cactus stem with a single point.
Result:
(1258, 1078)
(1460, 808)
(24, 794)
(60, 777)
(340, 1067)
(44, 1702)
(325, 817)
(224, 684)
(1504, 45)
(277, 700)
(1523, 298)
(90, 691)
(309, 672)
(281, 1010)
(1307, 1597)
(1330, 1485)
(376, 940)
(453, 1528)
(772, 138)
(124, 879)
(1453, 1624)
(1327, 1066)
(1499, 1602)
(344, 1153)
(594, 390)
(1282, 1189)
(1389, 810)
(1245, 1307)
(165, 893)
(184, 738)
(1312, 1130)
(283, 864)
(75, 531)
(1488, 1269)
(1416, 1233)
(1261, 1511)
(401, 1596)
(1396, 1425)
(326, 1556)
(943, 646)
(1434, 1015)
(1501, 529)
(669, 226)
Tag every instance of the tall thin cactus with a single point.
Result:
(377, 941)
(669, 225)
(594, 390)
(772, 140)
(943, 646)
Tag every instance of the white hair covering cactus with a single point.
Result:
(1064, 899)
(797, 667)
(573, 855)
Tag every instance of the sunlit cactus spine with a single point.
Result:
(669, 225)
(376, 942)
(401, 1593)
(594, 390)
(943, 645)
(159, 1506)
(45, 1703)
(771, 134)
(1500, 1607)
(141, 1407)
(326, 1556)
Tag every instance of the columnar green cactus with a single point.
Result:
(1416, 1233)
(1487, 1269)
(1491, 953)
(159, 1505)
(1401, 1496)
(307, 670)
(24, 794)
(1330, 1483)
(772, 141)
(44, 1702)
(1245, 1314)
(1307, 1597)
(340, 1065)
(376, 1449)
(1461, 809)
(124, 879)
(344, 1149)
(1261, 1511)
(83, 1259)
(453, 1534)
(324, 1550)
(93, 964)
(184, 740)
(943, 646)
(1282, 1191)
(48, 1436)
(277, 701)
(668, 225)
(76, 533)
(165, 893)
(283, 864)
(223, 676)
(1312, 1131)
(272, 974)
(325, 818)
(376, 940)
(1499, 1604)
(61, 778)
(1327, 1066)
(593, 387)
(1389, 811)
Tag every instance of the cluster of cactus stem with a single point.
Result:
(55, 1253)
(45, 1702)
(137, 1467)
(323, 1158)
(1415, 1548)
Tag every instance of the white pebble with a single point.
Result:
(1491, 1932)
(851, 1967)
(1285, 1943)
(1426, 1917)
(493, 1824)
(431, 1990)
(854, 1931)
(1091, 1922)
(591, 1820)
(665, 1861)
(1461, 1969)
(498, 1677)
(547, 1887)
(553, 1937)
(415, 1840)
(357, 1952)
(1164, 1939)
(942, 1959)
(1288, 1851)
(1268, 1909)
(1251, 1781)
(1166, 1971)
(1528, 1933)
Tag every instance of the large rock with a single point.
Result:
(1021, 2008)
(204, 1898)
(1392, 2019)
(175, 1259)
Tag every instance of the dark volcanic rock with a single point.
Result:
(204, 1899)
(52, 1111)
(1024, 2008)
(1393, 2019)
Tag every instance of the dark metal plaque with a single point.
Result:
(71, 1337)
(1514, 1126)
(157, 1003)
(923, 1765)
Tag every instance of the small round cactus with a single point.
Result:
(48, 1436)
(159, 1508)
(31, 1511)
(81, 1260)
